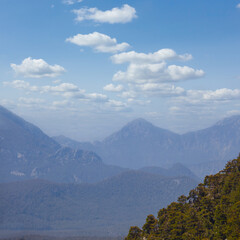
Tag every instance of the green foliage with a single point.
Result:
(211, 211)
(134, 233)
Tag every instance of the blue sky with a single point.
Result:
(85, 68)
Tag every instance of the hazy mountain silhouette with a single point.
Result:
(26, 152)
(141, 144)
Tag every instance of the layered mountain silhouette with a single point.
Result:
(140, 144)
(105, 208)
(26, 152)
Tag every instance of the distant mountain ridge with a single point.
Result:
(140, 144)
(27, 153)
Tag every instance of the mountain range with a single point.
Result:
(55, 184)
(140, 144)
(26, 152)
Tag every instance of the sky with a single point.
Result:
(85, 68)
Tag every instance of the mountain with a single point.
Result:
(140, 144)
(105, 208)
(210, 211)
(216, 144)
(137, 144)
(26, 153)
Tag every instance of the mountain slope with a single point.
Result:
(104, 208)
(26, 152)
(220, 142)
(211, 211)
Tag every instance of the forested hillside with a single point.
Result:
(210, 211)
(107, 208)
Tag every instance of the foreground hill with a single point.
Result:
(105, 208)
(210, 211)
(27, 153)
(140, 144)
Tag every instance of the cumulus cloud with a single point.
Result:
(60, 104)
(37, 68)
(97, 97)
(210, 96)
(112, 88)
(116, 15)
(31, 101)
(159, 89)
(138, 101)
(71, 2)
(116, 106)
(136, 91)
(98, 41)
(157, 72)
(160, 55)
(63, 87)
(20, 84)
(150, 68)
(222, 94)
(66, 90)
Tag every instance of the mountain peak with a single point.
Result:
(139, 122)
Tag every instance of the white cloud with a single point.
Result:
(63, 87)
(64, 103)
(66, 90)
(233, 112)
(20, 84)
(129, 94)
(100, 42)
(111, 88)
(71, 2)
(31, 101)
(222, 94)
(160, 55)
(138, 101)
(97, 97)
(157, 72)
(174, 109)
(116, 106)
(146, 90)
(37, 68)
(159, 89)
(209, 96)
(238, 6)
(116, 15)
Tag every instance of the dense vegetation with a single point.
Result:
(211, 211)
